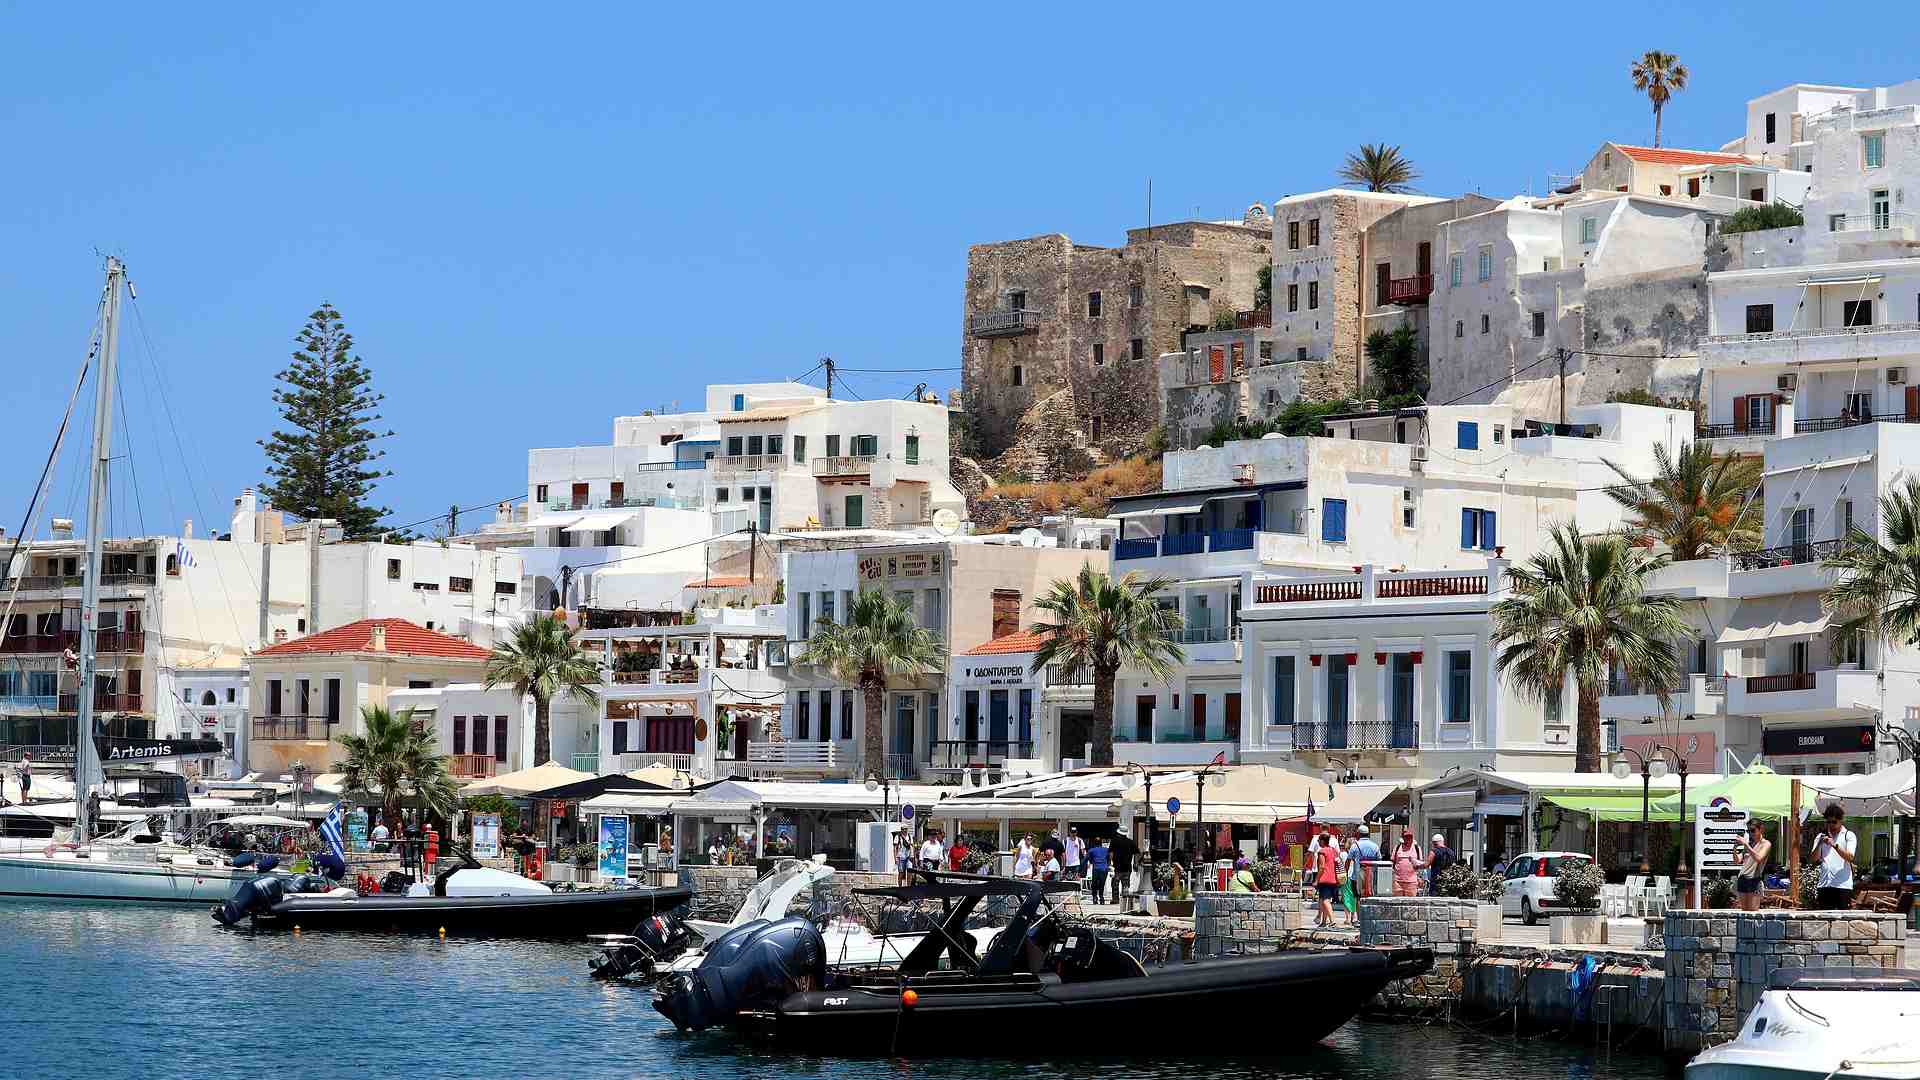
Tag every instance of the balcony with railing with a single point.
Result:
(1734, 431)
(1811, 344)
(631, 760)
(1811, 551)
(748, 463)
(294, 728)
(1003, 323)
(628, 502)
(1356, 735)
(1189, 543)
(34, 703)
(799, 755)
(1371, 587)
(586, 763)
(470, 766)
(43, 582)
(1826, 694)
(1410, 290)
(1258, 318)
(1876, 225)
(670, 466)
(954, 754)
(1697, 694)
(844, 465)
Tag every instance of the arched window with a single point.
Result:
(207, 698)
(173, 566)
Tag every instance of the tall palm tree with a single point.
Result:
(878, 643)
(1695, 503)
(1877, 590)
(397, 754)
(1659, 75)
(1580, 608)
(1379, 167)
(543, 659)
(1100, 625)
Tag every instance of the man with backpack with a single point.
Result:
(1439, 860)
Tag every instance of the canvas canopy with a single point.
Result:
(526, 781)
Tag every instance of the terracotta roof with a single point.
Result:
(732, 581)
(1660, 155)
(1017, 642)
(403, 638)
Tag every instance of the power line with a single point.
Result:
(441, 516)
(893, 370)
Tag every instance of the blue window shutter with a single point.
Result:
(739, 402)
(1469, 528)
(1489, 534)
(1469, 438)
(1333, 520)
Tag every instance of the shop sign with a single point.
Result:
(1785, 742)
(1003, 670)
(486, 836)
(1717, 829)
(1698, 748)
(912, 564)
(613, 846)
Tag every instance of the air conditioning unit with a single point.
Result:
(1419, 457)
(1896, 376)
(1786, 382)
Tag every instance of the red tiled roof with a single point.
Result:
(1660, 155)
(733, 581)
(1017, 642)
(403, 638)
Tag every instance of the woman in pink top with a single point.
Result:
(1406, 867)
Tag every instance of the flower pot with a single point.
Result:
(1489, 921)
(1584, 928)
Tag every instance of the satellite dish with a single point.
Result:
(1030, 538)
(945, 521)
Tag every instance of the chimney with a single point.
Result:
(379, 637)
(186, 529)
(246, 509)
(62, 528)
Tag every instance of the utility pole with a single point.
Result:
(1563, 385)
(827, 362)
(753, 551)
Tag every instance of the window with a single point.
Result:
(1486, 262)
(739, 403)
(1382, 283)
(1266, 350)
(1017, 380)
(540, 493)
(1666, 189)
(1136, 296)
(393, 569)
(1477, 529)
(1759, 318)
(856, 511)
(273, 697)
(1300, 353)
(1456, 270)
(1293, 298)
(826, 715)
(1459, 687)
(1467, 436)
(1589, 229)
(1096, 427)
(1406, 507)
(1539, 324)
(1017, 300)
(1459, 328)
(1842, 519)
(806, 615)
(756, 445)
(1486, 323)
(459, 584)
(846, 714)
(1293, 236)
(1313, 296)
(1850, 649)
(722, 494)
(460, 736)
(1873, 149)
(803, 716)
(1338, 671)
(776, 445)
(1770, 128)
(1860, 404)
(1333, 521)
(1093, 305)
(1856, 313)
(736, 445)
(1099, 354)
(1693, 187)
(1499, 434)
(1836, 222)
(800, 449)
(866, 446)
(913, 449)
(930, 615)
(1313, 232)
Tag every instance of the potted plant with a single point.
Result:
(1719, 893)
(1578, 890)
(1484, 888)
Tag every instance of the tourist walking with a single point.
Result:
(1124, 850)
(1754, 849)
(1439, 860)
(1362, 851)
(1075, 854)
(1406, 866)
(1023, 858)
(957, 853)
(932, 855)
(1099, 862)
(1834, 849)
(1326, 875)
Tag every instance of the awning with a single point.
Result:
(599, 522)
(1166, 504)
(1858, 459)
(1611, 807)
(629, 802)
(701, 808)
(1857, 279)
(1798, 615)
(1354, 803)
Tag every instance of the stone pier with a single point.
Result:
(1449, 926)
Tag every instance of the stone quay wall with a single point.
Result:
(1718, 962)
(1226, 924)
(719, 890)
(1449, 926)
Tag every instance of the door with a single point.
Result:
(1423, 263)
(617, 494)
(1403, 736)
(1233, 717)
(579, 496)
(1143, 719)
(998, 714)
(1076, 731)
(1382, 283)
(856, 511)
(1198, 717)
(1913, 402)
(1882, 209)
(742, 729)
(971, 732)
(901, 744)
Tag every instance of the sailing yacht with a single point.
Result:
(120, 866)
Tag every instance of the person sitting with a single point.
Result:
(1243, 880)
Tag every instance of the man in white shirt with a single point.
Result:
(932, 853)
(1835, 849)
(1076, 851)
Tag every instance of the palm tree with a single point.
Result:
(1379, 167)
(1581, 608)
(543, 659)
(1695, 503)
(1659, 75)
(1100, 625)
(1877, 591)
(879, 642)
(395, 754)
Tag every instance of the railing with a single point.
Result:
(1230, 540)
(629, 502)
(1451, 585)
(1731, 431)
(1834, 423)
(902, 766)
(844, 465)
(1356, 735)
(630, 618)
(669, 466)
(961, 753)
(1774, 684)
(1183, 543)
(1788, 555)
(994, 323)
(657, 677)
(1248, 320)
(470, 766)
(288, 728)
(1201, 635)
(36, 702)
(41, 643)
(116, 641)
(31, 582)
(631, 760)
(1875, 221)
(1813, 332)
(1305, 592)
(1410, 290)
(1714, 686)
(586, 763)
(795, 754)
(748, 462)
(1136, 548)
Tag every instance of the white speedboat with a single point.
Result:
(1822, 1023)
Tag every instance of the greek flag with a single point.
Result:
(182, 556)
(330, 830)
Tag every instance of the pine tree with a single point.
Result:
(321, 464)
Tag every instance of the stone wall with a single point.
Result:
(718, 890)
(1230, 923)
(1449, 926)
(1718, 962)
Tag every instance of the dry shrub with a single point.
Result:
(1088, 496)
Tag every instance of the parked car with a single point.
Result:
(1530, 879)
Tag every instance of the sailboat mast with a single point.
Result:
(86, 757)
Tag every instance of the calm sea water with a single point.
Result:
(162, 994)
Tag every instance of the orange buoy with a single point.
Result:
(910, 998)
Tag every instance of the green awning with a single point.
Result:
(1611, 807)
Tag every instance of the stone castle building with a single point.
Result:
(1062, 334)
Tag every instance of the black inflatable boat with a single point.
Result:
(771, 978)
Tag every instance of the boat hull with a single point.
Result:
(65, 875)
(1813, 1034)
(554, 915)
(1288, 999)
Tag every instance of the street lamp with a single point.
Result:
(1333, 776)
(1214, 774)
(1652, 764)
(1146, 853)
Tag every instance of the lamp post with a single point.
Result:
(1146, 853)
(1652, 764)
(1907, 744)
(1214, 774)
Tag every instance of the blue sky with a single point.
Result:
(535, 220)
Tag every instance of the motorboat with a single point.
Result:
(465, 898)
(664, 945)
(1817, 1023)
(120, 870)
(772, 979)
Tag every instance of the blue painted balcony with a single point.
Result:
(1136, 548)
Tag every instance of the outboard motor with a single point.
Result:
(752, 966)
(255, 897)
(656, 941)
